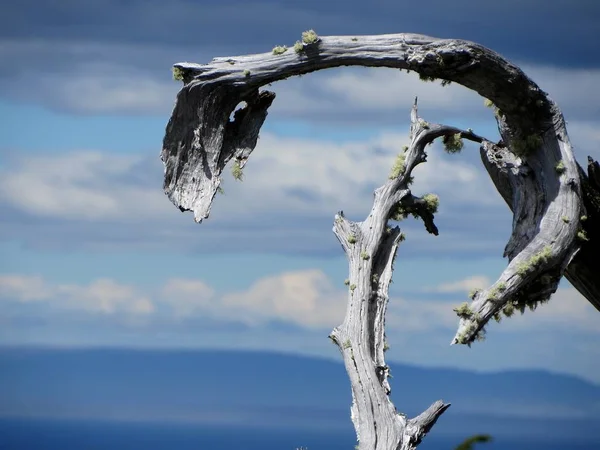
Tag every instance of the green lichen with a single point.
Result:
(424, 124)
(524, 147)
(498, 289)
(509, 309)
(539, 258)
(354, 39)
(347, 282)
(432, 201)
(310, 37)
(386, 347)
(469, 330)
(246, 73)
(453, 143)
(565, 219)
(177, 74)
(488, 103)
(464, 311)
(351, 239)
(582, 235)
(236, 171)
(583, 218)
(365, 256)
(352, 287)
(398, 167)
(280, 50)
(375, 278)
(426, 78)
(298, 47)
(401, 237)
(473, 293)
(347, 344)
(220, 190)
(560, 167)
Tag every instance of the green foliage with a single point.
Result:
(469, 443)
(177, 74)
(279, 50)
(310, 37)
(398, 167)
(453, 143)
(236, 171)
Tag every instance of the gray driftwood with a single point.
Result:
(533, 168)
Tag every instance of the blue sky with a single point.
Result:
(93, 253)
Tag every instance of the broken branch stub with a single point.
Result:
(533, 168)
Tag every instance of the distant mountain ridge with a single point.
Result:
(260, 388)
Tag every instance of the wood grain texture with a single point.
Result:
(532, 167)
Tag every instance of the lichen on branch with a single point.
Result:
(534, 157)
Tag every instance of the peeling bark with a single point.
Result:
(533, 168)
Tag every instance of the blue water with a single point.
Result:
(16, 434)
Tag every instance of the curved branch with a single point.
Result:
(533, 168)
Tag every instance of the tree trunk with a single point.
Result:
(583, 272)
(533, 168)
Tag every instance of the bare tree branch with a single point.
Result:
(533, 168)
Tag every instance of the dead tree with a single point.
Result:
(532, 166)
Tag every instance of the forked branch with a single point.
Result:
(533, 168)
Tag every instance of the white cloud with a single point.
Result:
(91, 185)
(304, 297)
(104, 296)
(466, 285)
(567, 310)
(187, 297)
(84, 185)
(178, 311)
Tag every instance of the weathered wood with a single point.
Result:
(584, 270)
(533, 168)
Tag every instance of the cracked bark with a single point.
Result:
(533, 168)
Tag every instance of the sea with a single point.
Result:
(38, 434)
